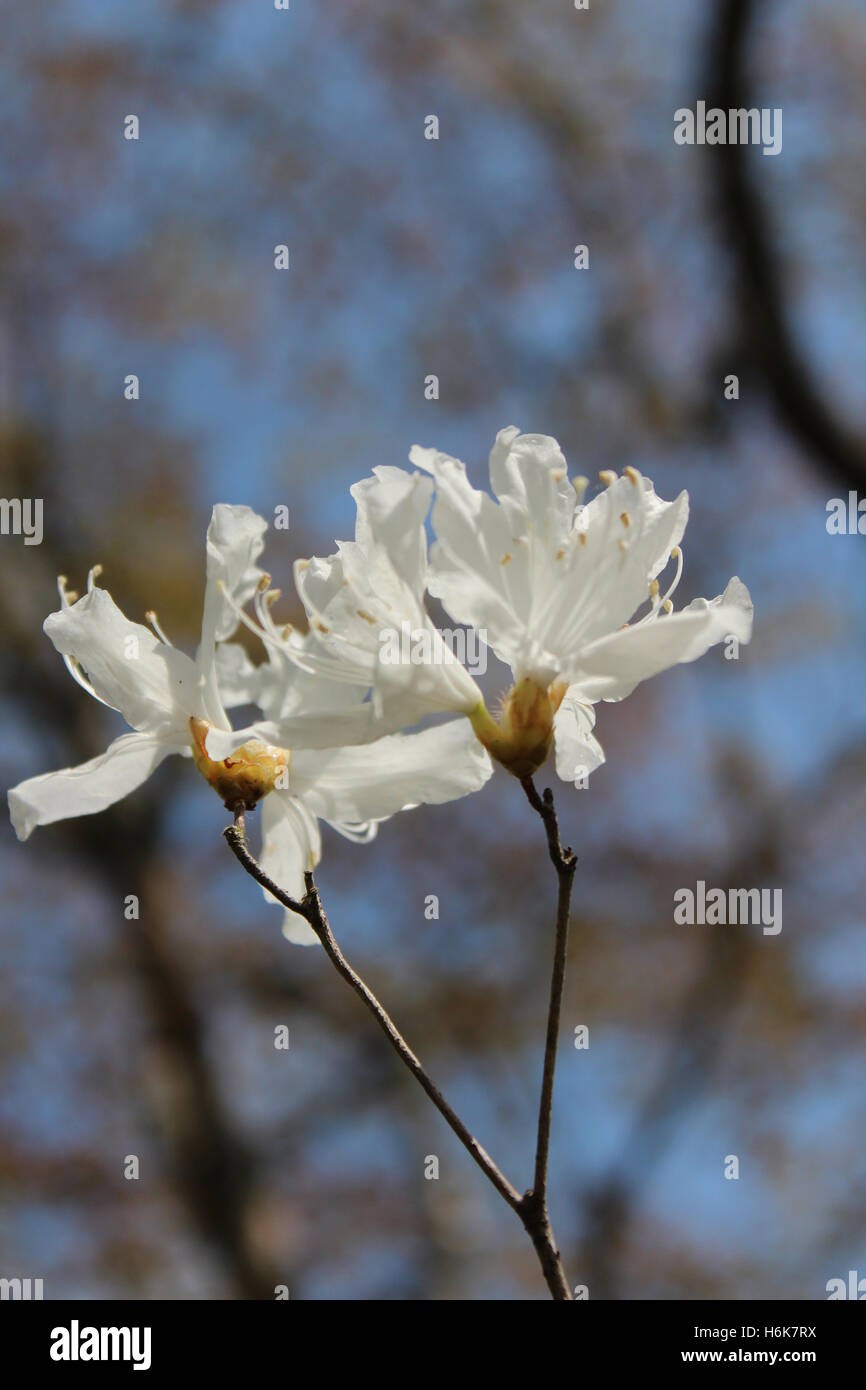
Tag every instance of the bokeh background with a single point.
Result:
(455, 257)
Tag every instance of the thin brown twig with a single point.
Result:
(531, 1207)
(565, 862)
(311, 909)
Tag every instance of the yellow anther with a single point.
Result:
(654, 588)
(632, 475)
(264, 583)
(668, 606)
(625, 519)
(507, 558)
(580, 485)
(607, 476)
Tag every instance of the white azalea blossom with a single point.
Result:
(171, 703)
(176, 705)
(556, 585)
(353, 789)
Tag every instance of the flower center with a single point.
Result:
(246, 775)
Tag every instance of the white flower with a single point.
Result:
(361, 599)
(352, 788)
(176, 705)
(172, 703)
(553, 585)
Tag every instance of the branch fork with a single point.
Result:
(531, 1206)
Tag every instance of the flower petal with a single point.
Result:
(240, 681)
(392, 507)
(221, 743)
(578, 751)
(235, 540)
(479, 566)
(624, 538)
(529, 475)
(88, 788)
(612, 667)
(291, 847)
(352, 785)
(362, 600)
(154, 686)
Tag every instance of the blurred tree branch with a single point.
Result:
(766, 332)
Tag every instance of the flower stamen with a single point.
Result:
(154, 622)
